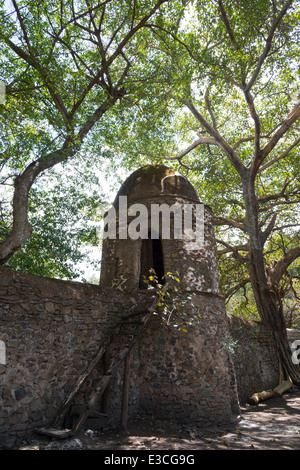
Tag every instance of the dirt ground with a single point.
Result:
(271, 425)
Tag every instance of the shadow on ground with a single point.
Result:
(272, 425)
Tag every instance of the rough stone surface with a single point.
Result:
(51, 329)
(186, 373)
(44, 353)
(188, 376)
(174, 375)
(158, 186)
(255, 357)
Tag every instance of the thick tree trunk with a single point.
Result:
(22, 229)
(265, 292)
(271, 314)
(264, 288)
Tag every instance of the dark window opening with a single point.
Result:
(151, 258)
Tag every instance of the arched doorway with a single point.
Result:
(151, 258)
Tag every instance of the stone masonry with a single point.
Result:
(50, 329)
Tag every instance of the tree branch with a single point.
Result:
(230, 292)
(208, 106)
(228, 150)
(285, 126)
(35, 64)
(231, 222)
(265, 234)
(268, 44)
(281, 266)
(230, 249)
(117, 52)
(21, 227)
(176, 38)
(271, 197)
(255, 117)
(227, 24)
(234, 250)
(98, 113)
(279, 203)
(200, 140)
(282, 227)
(20, 19)
(280, 157)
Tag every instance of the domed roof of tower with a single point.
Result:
(156, 181)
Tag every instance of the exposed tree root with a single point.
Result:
(278, 391)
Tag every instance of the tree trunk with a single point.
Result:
(22, 229)
(267, 300)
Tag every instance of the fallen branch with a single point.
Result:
(278, 391)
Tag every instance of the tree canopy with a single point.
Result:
(240, 87)
(241, 97)
(210, 86)
(67, 66)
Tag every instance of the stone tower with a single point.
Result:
(183, 374)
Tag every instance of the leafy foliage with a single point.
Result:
(174, 303)
(62, 209)
(238, 69)
(83, 85)
(77, 82)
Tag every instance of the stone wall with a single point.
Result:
(188, 374)
(293, 334)
(254, 355)
(184, 375)
(51, 329)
